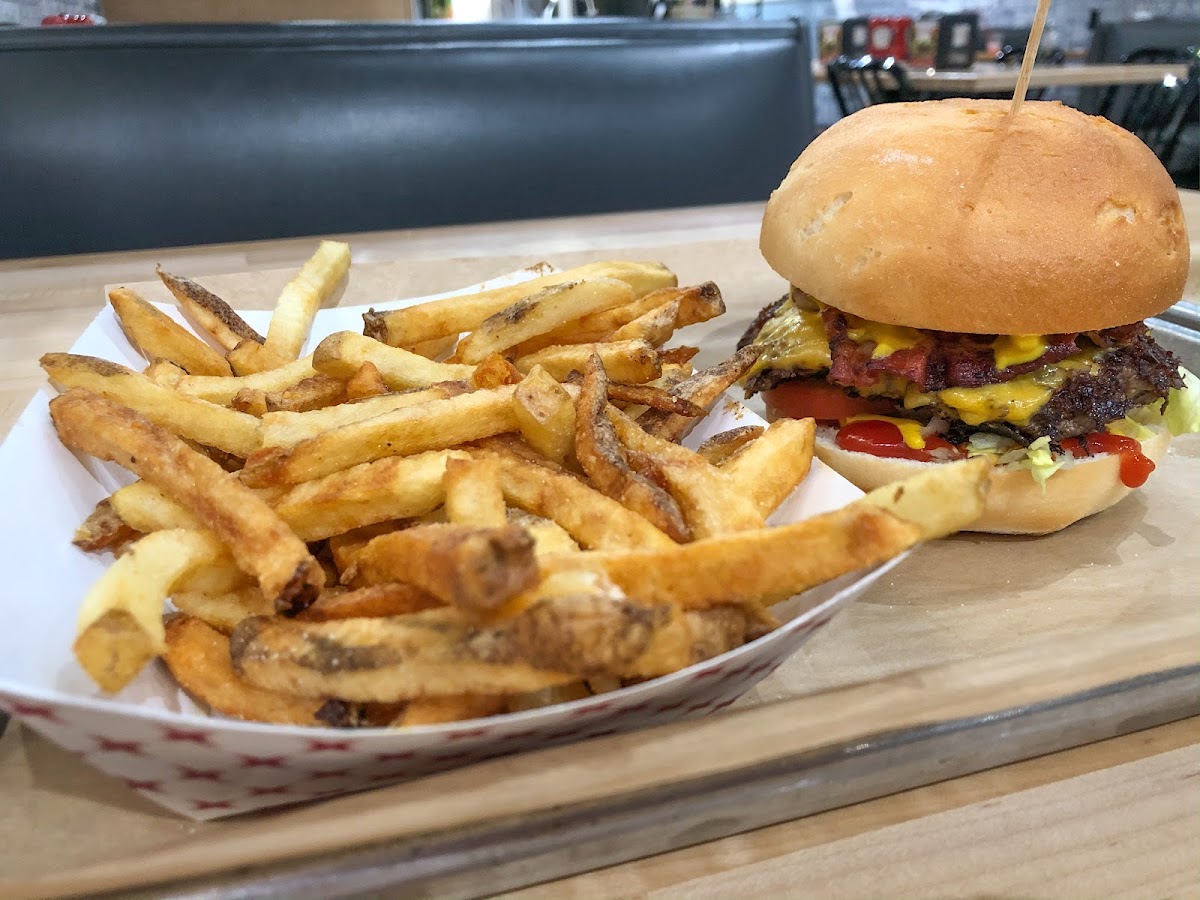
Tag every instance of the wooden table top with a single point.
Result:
(1115, 817)
(991, 77)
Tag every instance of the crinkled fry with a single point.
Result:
(259, 540)
(156, 335)
(188, 417)
(312, 287)
(600, 455)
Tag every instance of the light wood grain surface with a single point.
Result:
(985, 77)
(1113, 818)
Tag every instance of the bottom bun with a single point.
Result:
(1016, 504)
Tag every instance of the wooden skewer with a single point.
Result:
(1031, 51)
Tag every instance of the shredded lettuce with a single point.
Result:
(1130, 427)
(1037, 459)
(1182, 413)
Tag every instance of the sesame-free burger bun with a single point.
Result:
(1016, 504)
(953, 216)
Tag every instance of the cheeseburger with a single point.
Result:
(968, 283)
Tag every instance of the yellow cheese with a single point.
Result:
(792, 337)
(1015, 401)
(1014, 349)
(887, 338)
(910, 431)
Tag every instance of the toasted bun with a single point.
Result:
(950, 215)
(1016, 504)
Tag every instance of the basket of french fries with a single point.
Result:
(263, 557)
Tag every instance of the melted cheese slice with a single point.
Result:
(1009, 402)
(910, 431)
(887, 338)
(1015, 349)
(794, 336)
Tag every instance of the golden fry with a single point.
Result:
(704, 388)
(312, 287)
(428, 426)
(343, 353)
(473, 495)
(439, 710)
(222, 390)
(189, 417)
(156, 335)
(629, 362)
(120, 626)
(371, 602)
(366, 382)
(258, 539)
(770, 467)
(545, 415)
(209, 311)
(224, 610)
(103, 529)
(251, 357)
(720, 448)
(198, 657)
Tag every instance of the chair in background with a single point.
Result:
(1165, 114)
(858, 83)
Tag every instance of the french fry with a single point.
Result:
(103, 529)
(594, 520)
(189, 417)
(434, 425)
(313, 393)
(427, 654)
(775, 563)
(221, 390)
(345, 546)
(343, 353)
(720, 448)
(222, 577)
(156, 335)
(678, 356)
(164, 372)
(473, 495)
(601, 456)
(769, 468)
(209, 311)
(366, 382)
(630, 362)
(198, 657)
(703, 389)
(371, 602)
(223, 610)
(435, 349)
(372, 492)
(250, 357)
(545, 415)
(120, 626)
(466, 312)
(259, 540)
(312, 287)
(941, 501)
(548, 536)
(712, 501)
(576, 690)
(651, 397)
(601, 326)
(250, 401)
(541, 312)
(474, 569)
(654, 327)
(494, 370)
(282, 429)
(439, 710)
(145, 508)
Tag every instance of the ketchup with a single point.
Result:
(884, 439)
(1135, 466)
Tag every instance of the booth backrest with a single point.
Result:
(135, 137)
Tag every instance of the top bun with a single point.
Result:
(953, 216)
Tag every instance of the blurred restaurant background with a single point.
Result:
(142, 123)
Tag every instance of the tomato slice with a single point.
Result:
(1135, 465)
(884, 439)
(803, 399)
